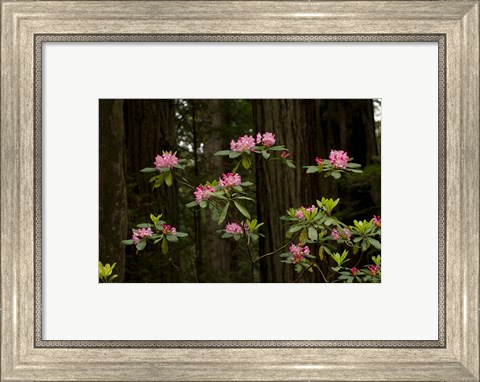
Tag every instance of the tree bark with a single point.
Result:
(150, 129)
(112, 187)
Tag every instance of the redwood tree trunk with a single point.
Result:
(150, 128)
(112, 187)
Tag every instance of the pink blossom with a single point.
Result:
(298, 253)
(141, 233)
(338, 158)
(377, 220)
(203, 192)
(374, 269)
(267, 139)
(319, 161)
(230, 180)
(144, 232)
(244, 143)
(338, 233)
(354, 271)
(168, 230)
(235, 229)
(335, 234)
(284, 155)
(299, 214)
(135, 237)
(166, 160)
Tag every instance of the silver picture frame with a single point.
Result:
(27, 25)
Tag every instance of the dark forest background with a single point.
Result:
(132, 132)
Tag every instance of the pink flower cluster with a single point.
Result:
(298, 253)
(203, 192)
(299, 214)
(377, 221)
(140, 234)
(230, 180)
(338, 158)
(354, 271)
(244, 143)
(235, 228)
(319, 161)
(168, 230)
(338, 234)
(374, 269)
(284, 155)
(166, 160)
(267, 139)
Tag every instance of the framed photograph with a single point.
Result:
(240, 190)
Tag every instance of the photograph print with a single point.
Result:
(239, 191)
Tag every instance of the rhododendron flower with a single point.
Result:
(244, 143)
(374, 269)
(140, 234)
(168, 230)
(354, 271)
(299, 214)
(203, 192)
(166, 160)
(284, 155)
(338, 159)
(377, 221)
(319, 161)
(267, 139)
(230, 180)
(235, 229)
(337, 233)
(298, 253)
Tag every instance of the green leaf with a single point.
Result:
(320, 253)
(353, 165)
(191, 204)
(203, 204)
(356, 171)
(375, 243)
(141, 245)
(244, 198)
(223, 214)
(246, 184)
(112, 278)
(127, 242)
(171, 237)
(182, 234)
(226, 235)
(312, 169)
(290, 163)
(312, 234)
(246, 163)
(242, 209)
(303, 236)
(164, 246)
(265, 154)
(236, 167)
(149, 169)
(144, 225)
(222, 153)
(169, 179)
(295, 228)
(336, 174)
(234, 154)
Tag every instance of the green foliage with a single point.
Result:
(105, 272)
